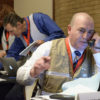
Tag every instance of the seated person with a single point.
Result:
(5, 38)
(36, 27)
(6, 41)
(54, 62)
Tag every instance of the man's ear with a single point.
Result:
(69, 29)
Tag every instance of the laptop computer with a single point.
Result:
(10, 66)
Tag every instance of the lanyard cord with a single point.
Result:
(27, 39)
(70, 56)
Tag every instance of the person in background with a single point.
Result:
(5, 38)
(65, 59)
(37, 27)
(5, 42)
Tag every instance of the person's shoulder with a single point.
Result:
(39, 14)
(47, 43)
(45, 46)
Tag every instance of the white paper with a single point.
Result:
(28, 48)
(92, 82)
(78, 89)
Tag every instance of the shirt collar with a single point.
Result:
(72, 51)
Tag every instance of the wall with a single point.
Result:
(26, 7)
(68, 7)
(9, 2)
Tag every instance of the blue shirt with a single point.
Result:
(45, 25)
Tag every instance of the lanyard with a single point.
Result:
(7, 37)
(70, 56)
(27, 39)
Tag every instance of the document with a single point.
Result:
(82, 85)
(31, 47)
(76, 87)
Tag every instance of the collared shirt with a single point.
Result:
(72, 51)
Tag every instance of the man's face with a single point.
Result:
(17, 31)
(80, 33)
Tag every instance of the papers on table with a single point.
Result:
(81, 86)
(92, 83)
(78, 89)
(74, 91)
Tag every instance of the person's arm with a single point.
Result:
(96, 51)
(93, 84)
(4, 43)
(15, 49)
(24, 75)
(2, 53)
(97, 57)
(47, 26)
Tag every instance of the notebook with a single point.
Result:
(10, 65)
(31, 47)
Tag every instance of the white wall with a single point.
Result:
(26, 7)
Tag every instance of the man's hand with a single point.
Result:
(39, 42)
(2, 53)
(96, 47)
(40, 65)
